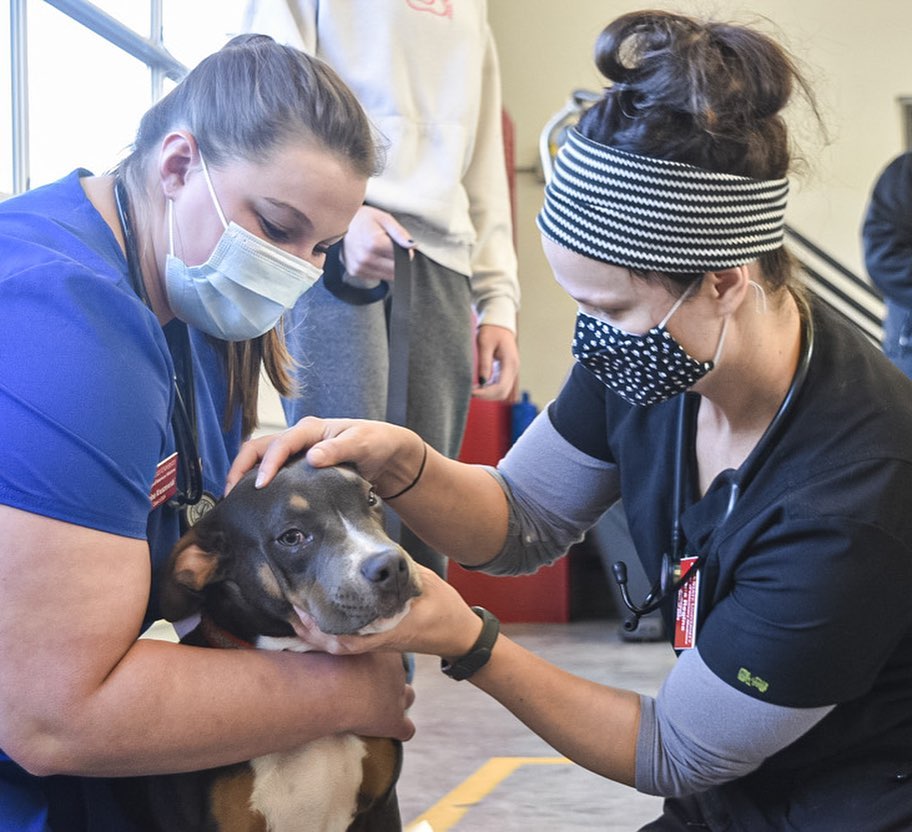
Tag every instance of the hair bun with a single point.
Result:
(694, 91)
(693, 67)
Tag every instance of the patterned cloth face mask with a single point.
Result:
(244, 287)
(641, 369)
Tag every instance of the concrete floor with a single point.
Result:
(473, 766)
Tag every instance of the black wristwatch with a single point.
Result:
(478, 656)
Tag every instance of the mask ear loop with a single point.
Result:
(171, 226)
(718, 353)
(715, 359)
(761, 307)
(761, 296)
(215, 201)
(676, 306)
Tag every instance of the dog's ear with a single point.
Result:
(190, 568)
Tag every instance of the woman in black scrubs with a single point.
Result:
(761, 445)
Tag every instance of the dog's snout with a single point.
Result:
(387, 570)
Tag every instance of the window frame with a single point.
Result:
(149, 50)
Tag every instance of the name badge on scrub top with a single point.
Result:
(687, 602)
(164, 486)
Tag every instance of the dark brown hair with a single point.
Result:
(243, 102)
(708, 94)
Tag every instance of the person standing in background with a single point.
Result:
(887, 240)
(428, 77)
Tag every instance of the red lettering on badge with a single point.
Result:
(164, 486)
(686, 605)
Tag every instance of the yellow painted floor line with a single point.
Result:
(448, 811)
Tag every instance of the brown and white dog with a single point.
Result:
(311, 542)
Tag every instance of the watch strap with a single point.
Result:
(477, 657)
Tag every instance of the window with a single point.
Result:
(84, 94)
(6, 105)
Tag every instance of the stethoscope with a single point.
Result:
(670, 578)
(183, 416)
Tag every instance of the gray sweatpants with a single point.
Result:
(343, 352)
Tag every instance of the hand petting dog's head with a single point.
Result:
(311, 541)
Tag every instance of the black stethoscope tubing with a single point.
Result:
(669, 582)
(183, 415)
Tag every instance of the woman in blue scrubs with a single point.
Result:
(136, 311)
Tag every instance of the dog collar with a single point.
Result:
(477, 657)
(217, 636)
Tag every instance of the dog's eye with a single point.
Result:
(294, 537)
(372, 498)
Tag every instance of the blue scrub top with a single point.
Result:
(85, 419)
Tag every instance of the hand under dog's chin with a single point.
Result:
(377, 625)
(381, 625)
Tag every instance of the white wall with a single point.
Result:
(857, 57)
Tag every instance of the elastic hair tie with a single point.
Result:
(414, 482)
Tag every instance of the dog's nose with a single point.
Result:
(386, 569)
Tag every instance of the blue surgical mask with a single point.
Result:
(641, 369)
(245, 286)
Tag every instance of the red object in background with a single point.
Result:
(487, 434)
(544, 596)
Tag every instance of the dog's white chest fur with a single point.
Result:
(314, 787)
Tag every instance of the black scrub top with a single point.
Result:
(806, 591)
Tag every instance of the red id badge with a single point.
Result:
(686, 606)
(164, 486)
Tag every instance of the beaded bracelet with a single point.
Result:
(414, 482)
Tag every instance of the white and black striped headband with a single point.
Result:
(658, 215)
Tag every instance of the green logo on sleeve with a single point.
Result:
(746, 677)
